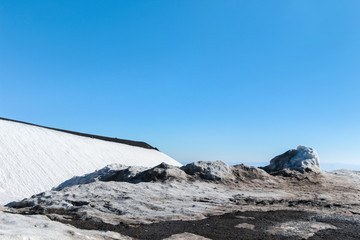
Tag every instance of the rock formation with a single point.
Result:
(209, 170)
(303, 159)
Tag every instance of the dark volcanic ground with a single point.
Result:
(223, 226)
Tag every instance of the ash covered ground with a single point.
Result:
(289, 199)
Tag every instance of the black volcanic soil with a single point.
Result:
(223, 226)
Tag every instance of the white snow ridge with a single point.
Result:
(34, 159)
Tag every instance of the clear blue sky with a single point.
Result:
(238, 81)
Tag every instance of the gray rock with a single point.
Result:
(209, 170)
(247, 173)
(112, 172)
(161, 172)
(132, 174)
(303, 159)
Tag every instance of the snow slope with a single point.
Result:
(34, 159)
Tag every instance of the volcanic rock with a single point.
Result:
(303, 159)
(162, 172)
(209, 170)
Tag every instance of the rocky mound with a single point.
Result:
(130, 174)
(245, 173)
(209, 170)
(119, 193)
(203, 171)
(303, 159)
(289, 164)
(112, 172)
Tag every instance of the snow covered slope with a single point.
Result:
(34, 159)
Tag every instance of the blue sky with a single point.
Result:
(238, 81)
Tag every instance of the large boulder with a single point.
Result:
(303, 159)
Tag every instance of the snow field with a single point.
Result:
(35, 159)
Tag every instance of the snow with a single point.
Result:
(36, 227)
(301, 229)
(35, 159)
(351, 174)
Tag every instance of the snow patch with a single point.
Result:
(246, 226)
(36, 227)
(299, 229)
(351, 174)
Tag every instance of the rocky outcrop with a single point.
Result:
(303, 159)
(249, 173)
(132, 174)
(209, 170)
(162, 172)
(196, 171)
(112, 172)
(289, 164)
